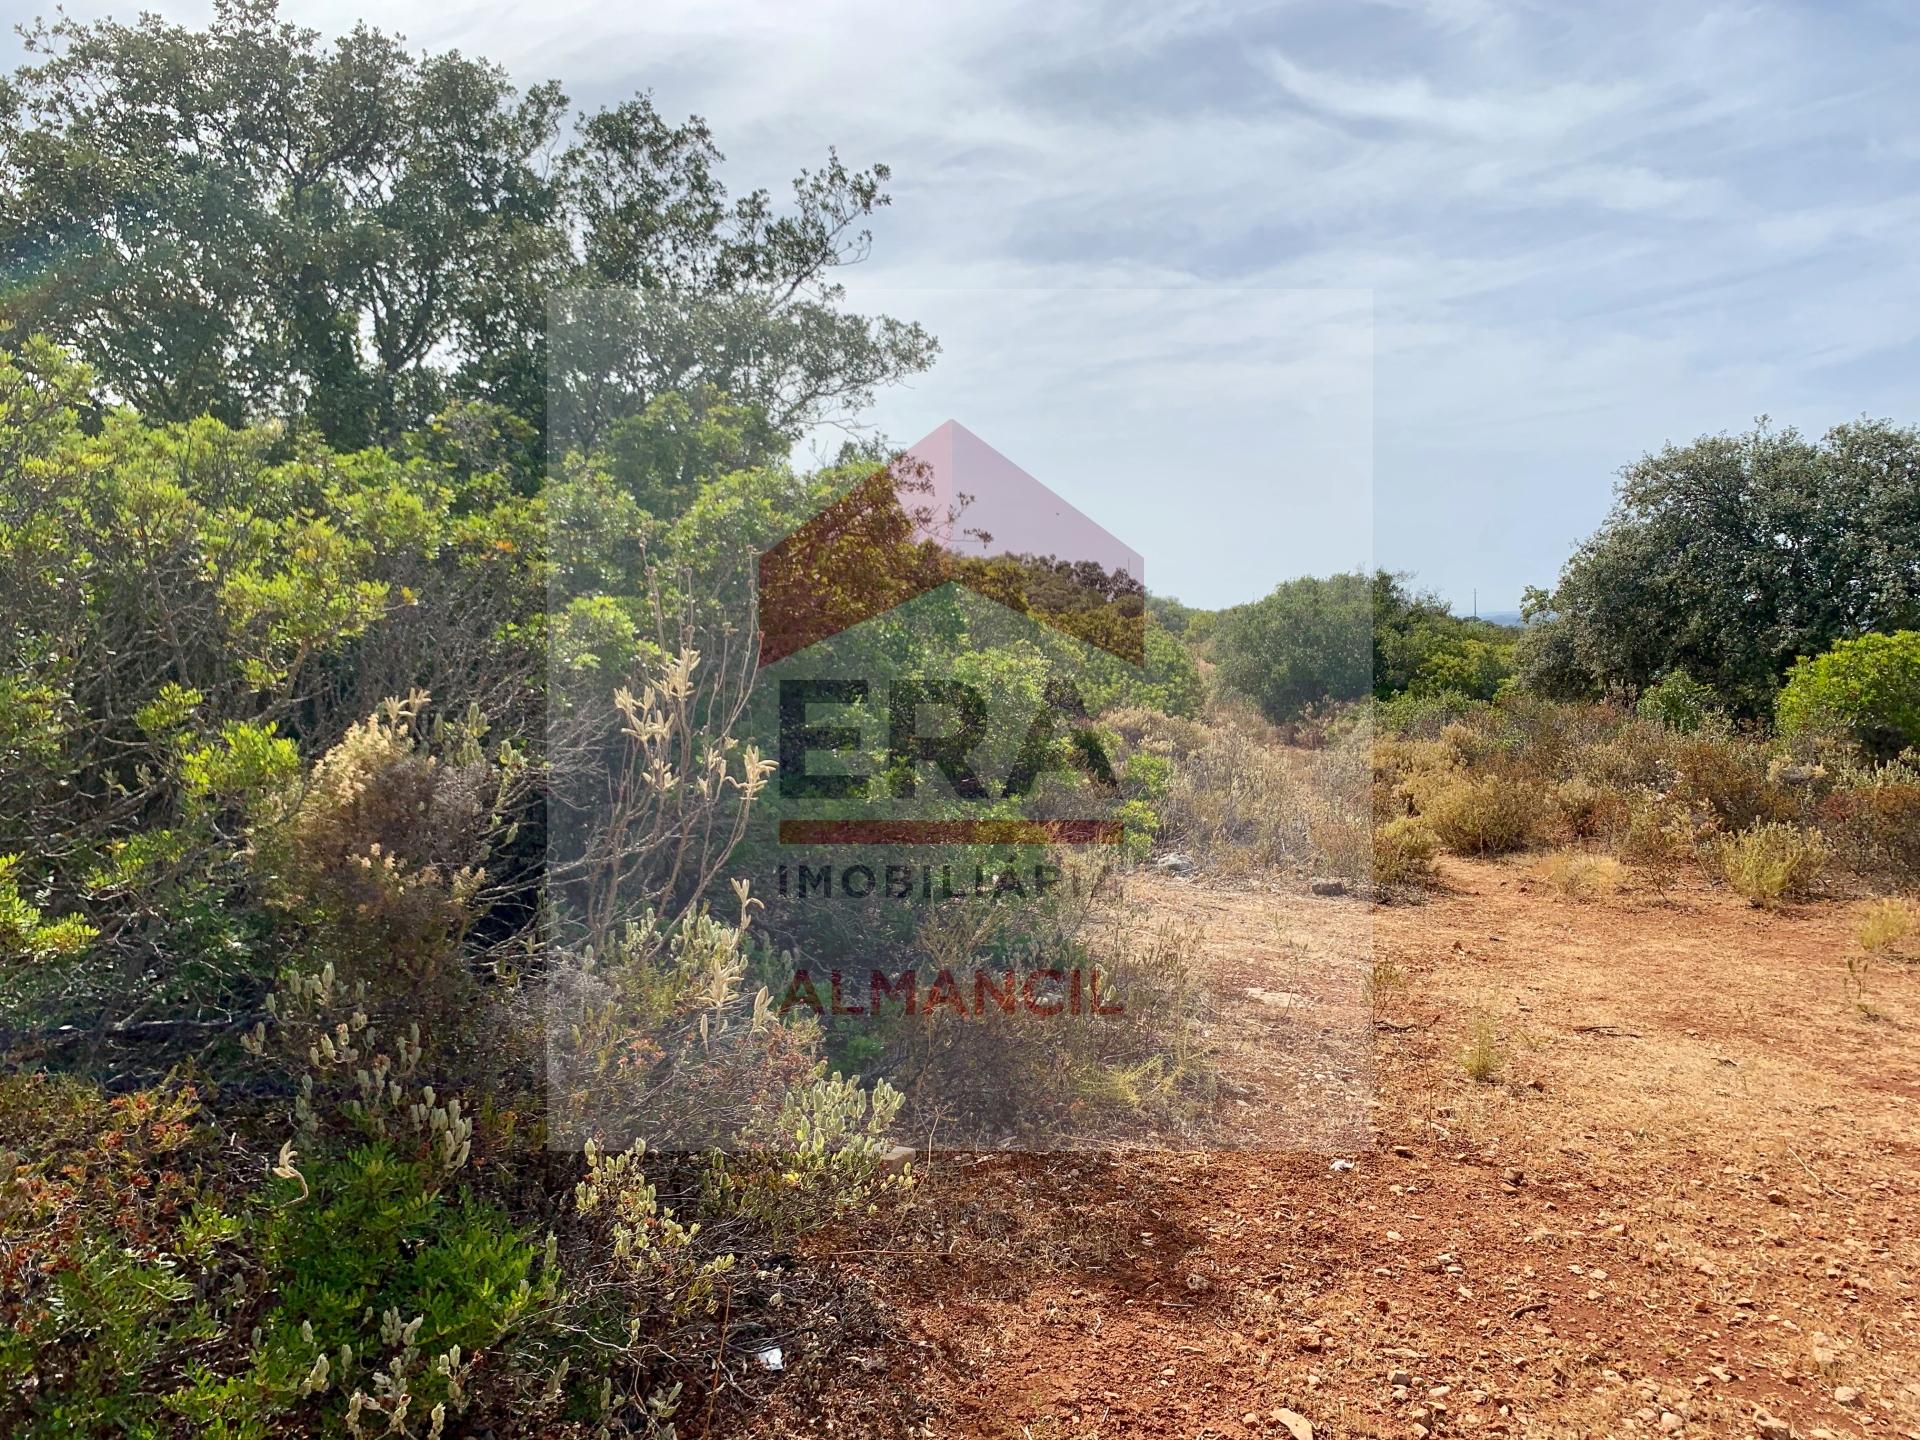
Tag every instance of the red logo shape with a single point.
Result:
(951, 509)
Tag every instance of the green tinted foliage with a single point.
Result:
(249, 219)
(1679, 702)
(1867, 689)
(1309, 642)
(1733, 556)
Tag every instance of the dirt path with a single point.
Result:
(1689, 1194)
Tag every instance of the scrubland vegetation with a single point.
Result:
(330, 776)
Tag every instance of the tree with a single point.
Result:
(1308, 642)
(1732, 556)
(244, 221)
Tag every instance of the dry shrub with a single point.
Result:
(1583, 877)
(1342, 839)
(1875, 827)
(1656, 842)
(997, 1073)
(1386, 981)
(1481, 815)
(1233, 802)
(1735, 779)
(1637, 754)
(386, 851)
(1484, 1055)
(1773, 863)
(1587, 809)
(1150, 730)
(1403, 851)
(1885, 928)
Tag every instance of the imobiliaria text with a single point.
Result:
(932, 882)
(1053, 991)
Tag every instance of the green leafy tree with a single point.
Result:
(244, 220)
(1308, 642)
(1730, 557)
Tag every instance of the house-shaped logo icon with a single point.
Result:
(951, 509)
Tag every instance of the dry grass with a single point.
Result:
(1580, 876)
(1484, 1055)
(1774, 863)
(1885, 928)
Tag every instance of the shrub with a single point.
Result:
(1582, 877)
(1735, 779)
(1386, 980)
(1656, 842)
(1482, 815)
(1423, 715)
(1678, 702)
(1235, 803)
(820, 1157)
(1484, 1055)
(1866, 688)
(1885, 927)
(1587, 809)
(1403, 851)
(1772, 863)
(1875, 827)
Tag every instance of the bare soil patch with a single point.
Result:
(1686, 1196)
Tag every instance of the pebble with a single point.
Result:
(1846, 1395)
(1297, 1425)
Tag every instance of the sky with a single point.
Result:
(1277, 289)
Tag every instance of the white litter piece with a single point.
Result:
(771, 1358)
(1342, 1166)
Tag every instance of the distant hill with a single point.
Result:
(1502, 617)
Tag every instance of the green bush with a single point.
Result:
(1678, 702)
(1867, 689)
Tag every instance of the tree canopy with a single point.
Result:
(1733, 556)
(247, 221)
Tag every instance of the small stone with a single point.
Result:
(1174, 864)
(1297, 1425)
(1669, 1421)
(1776, 1197)
(1400, 1378)
(1512, 1175)
(1405, 1152)
(1197, 1282)
(1824, 1357)
(1771, 1427)
(1846, 1395)
(1328, 887)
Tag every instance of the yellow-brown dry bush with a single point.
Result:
(1480, 814)
(1733, 777)
(1403, 851)
(1579, 876)
(1773, 863)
